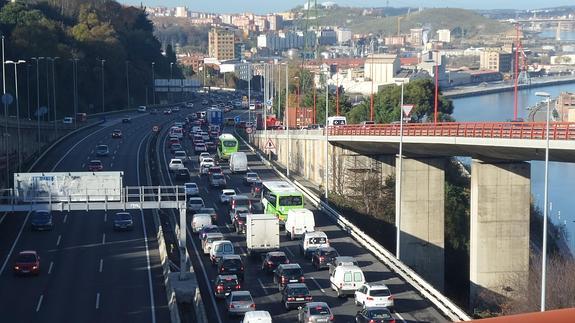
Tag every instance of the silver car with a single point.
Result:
(240, 302)
(316, 312)
(195, 204)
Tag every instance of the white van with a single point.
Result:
(336, 121)
(68, 120)
(298, 222)
(238, 162)
(209, 240)
(257, 317)
(219, 249)
(312, 241)
(141, 108)
(200, 220)
(345, 280)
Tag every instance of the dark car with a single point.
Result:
(208, 229)
(240, 222)
(126, 119)
(288, 273)
(273, 259)
(295, 294)
(239, 200)
(117, 133)
(225, 284)
(374, 315)
(183, 174)
(102, 150)
(231, 265)
(215, 170)
(123, 221)
(212, 212)
(27, 262)
(323, 256)
(95, 165)
(41, 220)
(256, 189)
(210, 145)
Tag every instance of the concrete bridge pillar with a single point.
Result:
(423, 216)
(499, 239)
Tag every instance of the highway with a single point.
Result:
(89, 273)
(410, 306)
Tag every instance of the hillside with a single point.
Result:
(446, 18)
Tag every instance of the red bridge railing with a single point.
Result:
(509, 130)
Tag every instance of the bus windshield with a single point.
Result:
(229, 143)
(291, 200)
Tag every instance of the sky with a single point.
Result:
(266, 6)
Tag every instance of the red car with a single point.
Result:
(95, 165)
(27, 262)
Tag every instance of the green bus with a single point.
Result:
(278, 197)
(227, 145)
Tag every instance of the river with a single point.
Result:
(499, 107)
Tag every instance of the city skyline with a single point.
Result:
(266, 6)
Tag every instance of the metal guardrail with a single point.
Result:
(444, 304)
(506, 130)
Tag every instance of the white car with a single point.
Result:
(181, 155)
(207, 162)
(227, 194)
(175, 164)
(200, 147)
(374, 295)
(191, 189)
(195, 204)
(196, 129)
(202, 156)
(200, 220)
(219, 249)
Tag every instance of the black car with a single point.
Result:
(126, 119)
(117, 133)
(41, 220)
(273, 259)
(288, 273)
(256, 189)
(321, 257)
(374, 315)
(183, 174)
(225, 284)
(295, 295)
(240, 223)
(231, 265)
(123, 221)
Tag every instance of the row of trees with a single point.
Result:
(87, 31)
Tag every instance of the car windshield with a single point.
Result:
(252, 175)
(102, 147)
(229, 143)
(41, 215)
(242, 298)
(379, 314)
(217, 176)
(232, 263)
(123, 216)
(207, 210)
(26, 257)
(290, 200)
(225, 247)
(191, 186)
(298, 291)
(380, 292)
(229, 193)
(319, 310)
(241, 202)
(95, 163)
(317, 240)
(196, 202)
(293, 272)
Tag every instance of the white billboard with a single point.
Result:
(69, 186)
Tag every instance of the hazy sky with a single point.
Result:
(264, 6)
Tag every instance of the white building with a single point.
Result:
(240, 69)
(444, 35)
(382, 68)
(182, 12)
(343, 35)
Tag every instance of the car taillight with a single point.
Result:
(270, 263)
(390, 297)
(231, 305)
(253, 305)
(321, 258)
(220, 287)
(301, 279)
(34, 267)
(16, 267)
(392, 321)
(372, 321)
(369, 298)
(331, 317)
(238, 286)
(242, 268)
(290, 299)
(308, 298)
(284, 279)
(222, 270)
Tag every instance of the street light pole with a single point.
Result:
(545, 202)
(128, 81)
(15, 63)
(153, 83)
(249, 91)
(399, 169)
(53, 59)
(326, 137)
(37, 59)
(75, 90)
(4, 100)
(170, 82)
(103, 61)
(28, 90)
(287, 120)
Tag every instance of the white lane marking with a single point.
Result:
(103, 238)
(39, 302)
(50, 268)
(262, 286)
(59, 239)
(111, 164)
(400, 317)
(92, 151)
(317, 284)
(65, 218)
(290, 253)
(3, 217)
(206, 189)
(97, 300)
(151, 287)
(105, 217)
(83, 165)
(113, 157)
(216, 206)
(115, 151)
(101, 265)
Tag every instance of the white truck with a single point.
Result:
(262, 233)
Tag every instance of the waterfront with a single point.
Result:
(499, 107)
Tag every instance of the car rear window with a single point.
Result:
(195, 202)
(380, 292)
(279, 259)
(298, 291)
(379, 314)
(347, 277)
(242, 298)
(293, 272)
(319, 310)
(357, 277)
(232, 263)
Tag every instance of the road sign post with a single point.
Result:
(270, 148)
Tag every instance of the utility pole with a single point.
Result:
(153, 83)
(128, 82)
(103, 61)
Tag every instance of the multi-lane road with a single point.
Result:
(89, 273)
(92, 274)
(411, 307)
